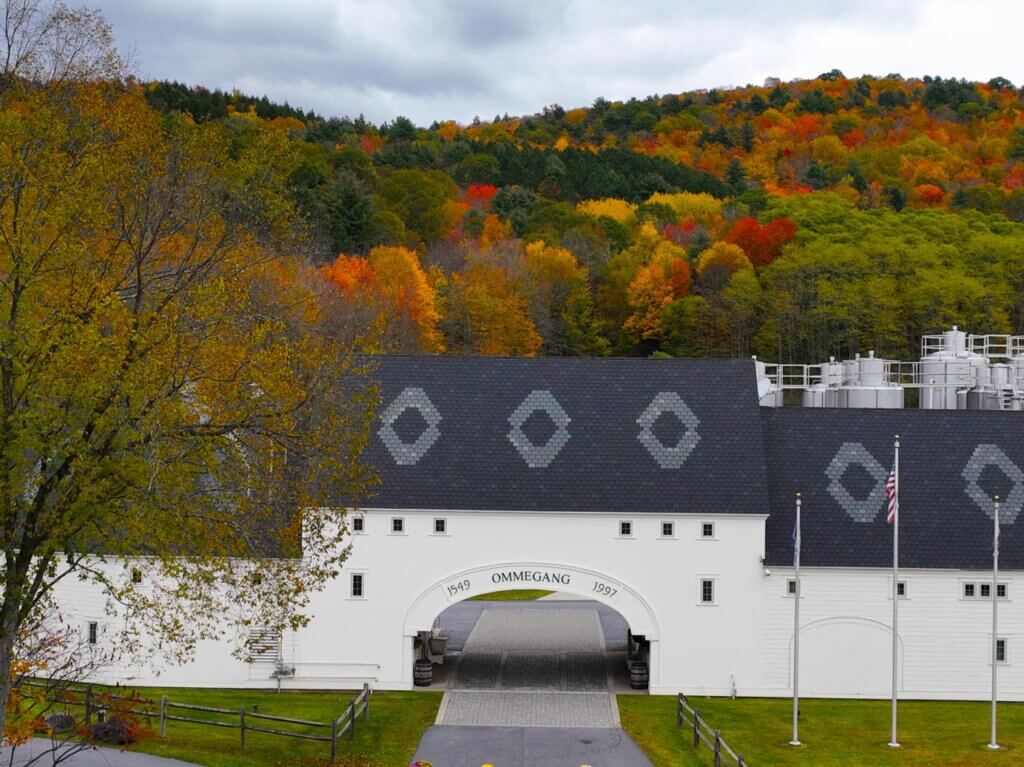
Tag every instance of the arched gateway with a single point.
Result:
(567, 579)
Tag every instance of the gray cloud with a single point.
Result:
(440, 59)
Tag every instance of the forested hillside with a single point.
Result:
(794, 220)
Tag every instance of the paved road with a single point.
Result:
(94, 757)
(529, 747)
(532, 686)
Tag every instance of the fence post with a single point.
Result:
(696, 728)
(366, 703)
(679, 710)
(352, 719)
(88, 705)
(163, 716)
(718, 749)
(334, 739)
(241, 713)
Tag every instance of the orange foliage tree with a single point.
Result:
(391, 280)
(665, 278)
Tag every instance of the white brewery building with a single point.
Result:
(665, 490)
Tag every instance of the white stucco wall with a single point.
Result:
(743, 640)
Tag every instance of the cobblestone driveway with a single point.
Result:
(532, 668)
(531, 688)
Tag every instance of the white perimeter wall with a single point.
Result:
(743, 641)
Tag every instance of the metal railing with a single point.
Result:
(243, 720)
(704, 734)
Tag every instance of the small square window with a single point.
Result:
(968, 591)
(791, 587)
(1001, 591)
(136, 575)
(358, 525)
(397, 525)
(707, 530)
(440, 526)
(357, 586)
(668, 529)
(901, 589)
(625, 529)
(707, 591)
(1001, 653)
(985, 590)
(94, 631)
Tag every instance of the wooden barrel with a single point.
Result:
(422, 673)
(639, 675)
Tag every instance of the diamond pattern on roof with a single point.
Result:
(983, 457)
(673, 456)
(855, 454)
(539, 456)
(409, 453)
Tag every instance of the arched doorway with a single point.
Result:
(537, 660)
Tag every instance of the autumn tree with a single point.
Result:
(53, 44)
(762, 243)
(664, 279)
(391, 283)
(168, 392)
(486, 311)
(560, 302)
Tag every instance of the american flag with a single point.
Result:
(890, 492)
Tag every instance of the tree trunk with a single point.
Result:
(6, 658)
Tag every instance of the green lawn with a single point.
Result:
(397, 719)
(834, 732)
(513, 595)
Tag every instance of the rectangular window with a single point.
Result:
(94, 630)
(791, 587)
(1001, 648)
(1001, 591)
(707, 591)
(136, 575)
(901, 589)
(440, 526)
(358, 525)
(668, 529)
(985, 590)
(357, 586)
(968, 591)
(397, 525)
(707, 530)
(625, 529)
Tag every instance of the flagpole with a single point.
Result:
(893, 742)
(796, 629)
(993, 743)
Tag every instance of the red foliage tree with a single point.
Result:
(762, 244)
(479, 195)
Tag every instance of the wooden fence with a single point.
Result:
(704, 734)
(241, 719)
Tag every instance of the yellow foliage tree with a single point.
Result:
(619, 210)
(700, 208)
(723, 256)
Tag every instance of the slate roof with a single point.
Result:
(945, 519)
(444, 440)
(604, 461)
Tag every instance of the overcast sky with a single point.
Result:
(454, 59)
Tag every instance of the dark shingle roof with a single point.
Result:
(942, 520)
(602, 467)
(735, 457)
